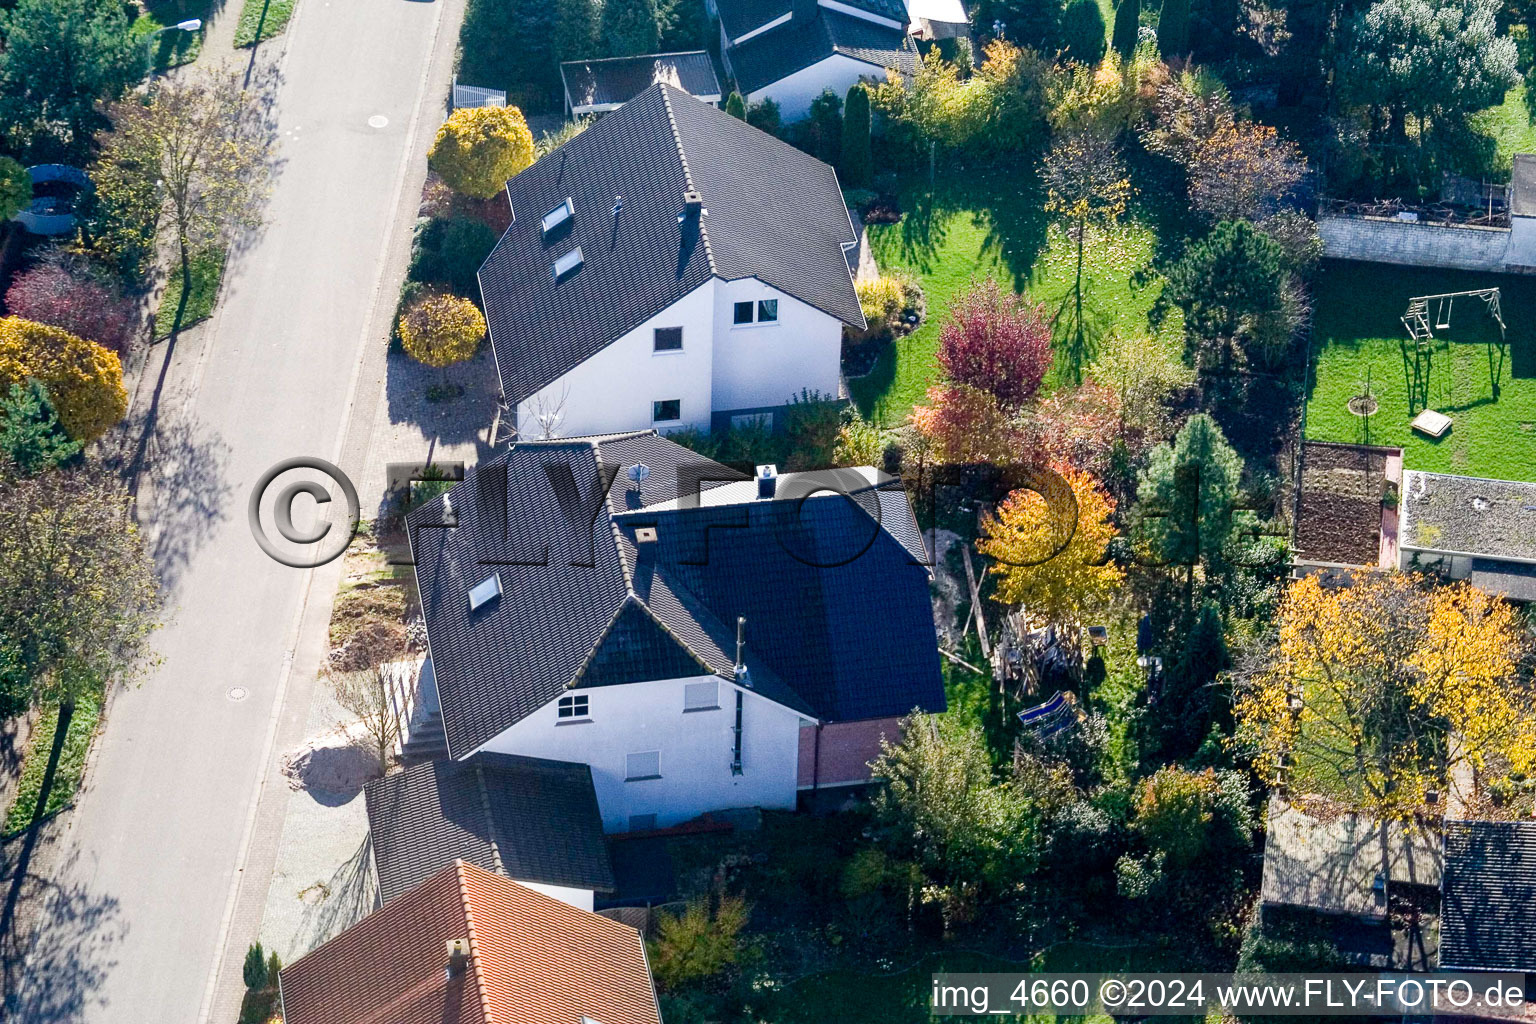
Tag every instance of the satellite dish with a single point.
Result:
(639, 473)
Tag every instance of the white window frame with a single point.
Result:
(696, 699)
(568, 264)
(579, 706)
(554, 219)
(757, 309)
(630, 768)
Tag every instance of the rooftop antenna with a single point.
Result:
(618, 204)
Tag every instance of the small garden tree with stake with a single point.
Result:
(1087, 187)
(478, 148)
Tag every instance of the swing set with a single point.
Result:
(1430, 313)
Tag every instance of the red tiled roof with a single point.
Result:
(533, 960)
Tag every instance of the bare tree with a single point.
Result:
(369, 696)
(204, 143)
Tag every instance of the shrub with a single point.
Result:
(697, 945)
(65, 293)
(1082, 31)
(857, 161)
(84, 379)
(881, 299)
(440, 330)
(765, 116)
(449, 253)
(996, 342)
(478, 148)
(551, 141)
(255, 969)
(15, 188)
(858, 442)
(736, 106)
(31, 437)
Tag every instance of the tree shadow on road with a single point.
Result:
(59, 948)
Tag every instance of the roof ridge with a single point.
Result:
(474, 944)
(586, 661)
(682, 156)
(490, 819)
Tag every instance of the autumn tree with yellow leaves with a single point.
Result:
(1379, 691)
(84, 380)
(1050, 548)
(478, 148)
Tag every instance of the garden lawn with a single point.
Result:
(207, 273)
(170, 49)
(1357, 330)
(1509, 126)
(77, 743)
(990, 227)
(262, 19)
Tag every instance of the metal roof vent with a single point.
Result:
(645, 534)
(558, 216)
(485, 591)
(767, 481)
(569, 263)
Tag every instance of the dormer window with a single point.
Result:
(568, 264)
(558, 216)
(485, 591)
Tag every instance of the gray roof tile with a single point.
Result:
(775, 213)
(780, 52)
(621, 79)
(1488, 896)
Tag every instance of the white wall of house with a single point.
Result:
(765, 364)
(581, 899)
(795, 92)
(694, 750)
(614, 389)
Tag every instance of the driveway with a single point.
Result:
(143, 887)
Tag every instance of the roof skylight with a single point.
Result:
(487, 590)
(558, 216)
(568, 263)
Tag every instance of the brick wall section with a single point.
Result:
(846, 750)
(1379, 240)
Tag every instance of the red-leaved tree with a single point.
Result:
(997, 342)
(61, 295)
(965, 424)
(1077, 427)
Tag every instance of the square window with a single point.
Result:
(701, 696)
(574, 706)
(668, 339)
(767, 310)
(644, 765)
(743, 313)
(667, 410)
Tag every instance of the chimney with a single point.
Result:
(743, 677)
(767, 481)
(693, 208)
(458, 955)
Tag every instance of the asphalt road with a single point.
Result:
(144, 875)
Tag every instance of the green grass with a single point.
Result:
(262, 19)
(77, 744)
(1357, 332)
(990, 227)
(1509, 126)
(207, 274)
(174, 48)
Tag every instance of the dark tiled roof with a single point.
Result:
(742, 16)
(530, 819)
(738, 17)
(597, 83)
(804, 574)
(780, 52)
(1515, 581)
(774, 213)
(532, 960)
(1488, 896)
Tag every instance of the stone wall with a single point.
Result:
(1380, 240)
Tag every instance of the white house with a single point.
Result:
(701, 640)
(791, 51)
(669, 267)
